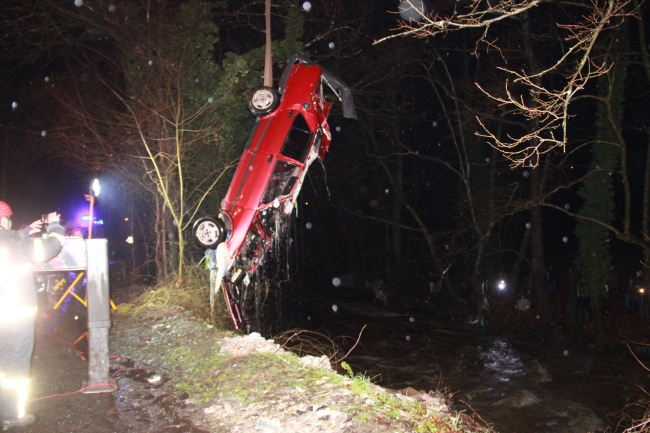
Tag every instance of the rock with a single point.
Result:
(321, 362)
(541, 374)
(410, 392)
(435, 404)
(519, 399)
(154, 379)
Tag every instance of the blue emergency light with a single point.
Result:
(85, 217)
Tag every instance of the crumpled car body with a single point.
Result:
(291, 132)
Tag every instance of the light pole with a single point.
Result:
(94, 192)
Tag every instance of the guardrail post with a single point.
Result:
(99, 317)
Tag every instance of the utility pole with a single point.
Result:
(268, 62)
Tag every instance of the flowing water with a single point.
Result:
(518, 386)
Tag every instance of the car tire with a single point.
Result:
(263, 101)
(209, 232)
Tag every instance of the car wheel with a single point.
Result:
(209, 232)
(263, 101)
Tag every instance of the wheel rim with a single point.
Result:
(262, 99)
(207, 233)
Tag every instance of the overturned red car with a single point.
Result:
(291, 132)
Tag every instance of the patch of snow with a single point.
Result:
(316, 361)
(254, 342)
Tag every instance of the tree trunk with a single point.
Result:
(571, 321)
(516, 268)
(646, 204)
(511, 294)
(158, 239)
(602, 339)
(646, 191)
(396, 228)
(536, 235)
(537, 250)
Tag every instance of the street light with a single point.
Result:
(95, 187)
(94, 192)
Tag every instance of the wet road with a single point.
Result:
(57, 374)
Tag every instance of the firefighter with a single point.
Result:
(18, 308)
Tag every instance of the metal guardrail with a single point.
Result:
(90, 256)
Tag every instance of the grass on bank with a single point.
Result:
(192, 294)
(203, 374)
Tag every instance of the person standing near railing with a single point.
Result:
(18, 300)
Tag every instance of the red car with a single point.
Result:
(291, 132)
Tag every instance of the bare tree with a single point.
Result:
(134, 88)
(536, 96)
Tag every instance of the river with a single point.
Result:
(514, 384)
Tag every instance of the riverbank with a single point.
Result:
(179, 373)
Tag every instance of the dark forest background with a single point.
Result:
(459, 173)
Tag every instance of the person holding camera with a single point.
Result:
(18, 299)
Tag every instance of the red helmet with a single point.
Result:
(5, 210)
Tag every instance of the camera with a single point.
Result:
(44, 219)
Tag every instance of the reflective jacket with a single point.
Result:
(18, 293)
